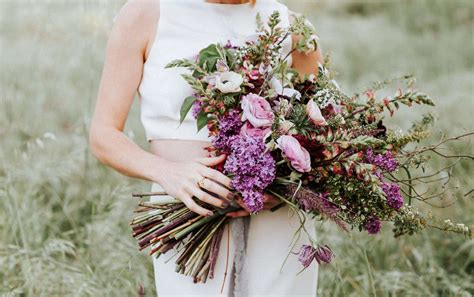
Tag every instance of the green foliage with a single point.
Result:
(201, 121)
(186, 107)
(208, 57)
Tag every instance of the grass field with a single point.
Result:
(64, 217)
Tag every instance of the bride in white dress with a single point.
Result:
(147, 34)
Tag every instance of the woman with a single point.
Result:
(147, 34)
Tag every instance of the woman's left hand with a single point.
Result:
(269, 201)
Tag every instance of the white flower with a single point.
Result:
(286, 127)
(278, 87)
(264, 69)
(323, 69)
(311, 43)
(229, 82)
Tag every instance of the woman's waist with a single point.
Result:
(179, 149)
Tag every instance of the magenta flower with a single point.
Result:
(257, 111)
(392, 192)
(386, 161)
(323, 254)
(373, 225)
(297, 155)
(307, 254)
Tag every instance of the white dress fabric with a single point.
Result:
(256, 257)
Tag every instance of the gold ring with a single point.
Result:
(201, 182)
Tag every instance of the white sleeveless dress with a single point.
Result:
(185, 27)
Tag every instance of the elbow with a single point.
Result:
(97, 143)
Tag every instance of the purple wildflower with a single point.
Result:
(252, 169)
(384, 161)
(323, 254)
(196, 108)
(310, 201)
(307, 254)
(373, 225)
(317, 202)
(229, 125)
(392, 192)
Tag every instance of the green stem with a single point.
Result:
(410, 185)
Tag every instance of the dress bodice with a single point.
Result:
(184, 28)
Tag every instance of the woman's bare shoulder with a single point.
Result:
(136, 20)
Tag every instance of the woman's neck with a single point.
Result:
(228, 1)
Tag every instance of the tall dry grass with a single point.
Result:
(63, 216)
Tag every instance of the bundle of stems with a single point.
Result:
(171, 226)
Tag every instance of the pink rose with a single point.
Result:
(248, 130)
(297, 155)
(257, 111)
(314, 113)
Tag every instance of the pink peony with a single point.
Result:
(257, 111)
(248, 130)
(314, 113)
(297, 155)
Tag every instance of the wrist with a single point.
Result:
(157, 168)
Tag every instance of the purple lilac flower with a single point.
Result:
(229, 125)
(373, 225)
(307, 254)
(394, 198)
(384, 161)
(196, 108)
(252, 169)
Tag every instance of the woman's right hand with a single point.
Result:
(181, 180)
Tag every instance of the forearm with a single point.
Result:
(115, 149)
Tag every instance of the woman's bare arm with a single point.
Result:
(128, 42)
(305, 63)
(121, 76)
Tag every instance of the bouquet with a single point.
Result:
(324, 154)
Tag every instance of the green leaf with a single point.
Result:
(201, 120)
(185, 107)
(208, 57)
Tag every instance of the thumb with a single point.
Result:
(212, 161)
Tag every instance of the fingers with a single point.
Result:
(238, 213)
(193, 206)
(241, 203)
(212, 161)
(216, 188)
(217, 176)
(270, 198)
(206, 197)
(270, 201)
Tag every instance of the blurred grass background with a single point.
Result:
(63, 216)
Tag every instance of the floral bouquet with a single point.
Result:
(324, 154)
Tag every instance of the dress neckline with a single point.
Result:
(227, 5)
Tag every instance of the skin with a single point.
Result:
(177, 165)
